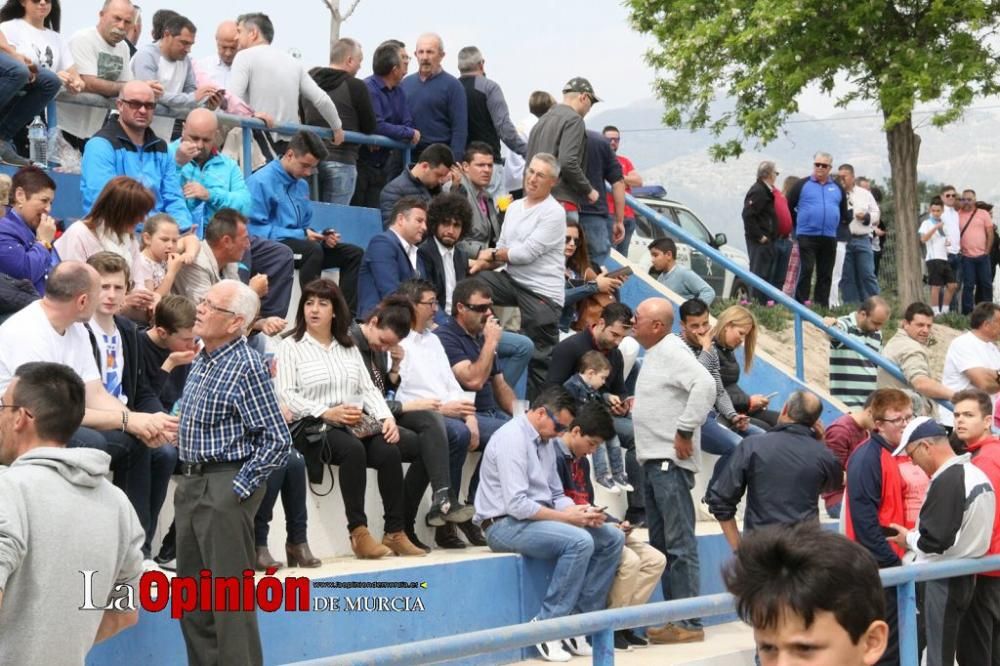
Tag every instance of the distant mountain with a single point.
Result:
(964, 154)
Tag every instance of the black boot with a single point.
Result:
(446, 537)
(472, 533)
(412, 536)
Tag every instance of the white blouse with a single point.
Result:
(313, 377)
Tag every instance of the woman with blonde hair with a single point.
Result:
(735, 327)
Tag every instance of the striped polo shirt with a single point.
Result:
(853, 377)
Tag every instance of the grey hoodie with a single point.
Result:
(59, 516)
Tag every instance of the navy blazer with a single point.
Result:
(384, 267)
(434, 267)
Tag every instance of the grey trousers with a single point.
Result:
(979, 633)
(215, 531)
(945, 603)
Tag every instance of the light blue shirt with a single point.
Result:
(687, 284)
(518, 474)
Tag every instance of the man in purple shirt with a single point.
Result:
(392, 119)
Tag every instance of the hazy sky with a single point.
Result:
(527, 44)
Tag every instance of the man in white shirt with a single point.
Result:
(858, 281)
(973, 359)
(949, 196)
(530, 249)
(271, 81)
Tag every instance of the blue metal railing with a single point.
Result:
(288, 129)
(800, 312)
(601, 624)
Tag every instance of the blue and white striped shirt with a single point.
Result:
(229, 412)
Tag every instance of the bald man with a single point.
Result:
(216, 69)
(129, 147)
(209, 181)
(437, 100)
(673, 394)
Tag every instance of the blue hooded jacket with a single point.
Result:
(279, 206)
(817, 210)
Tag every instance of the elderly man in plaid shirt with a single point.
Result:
(231, 437)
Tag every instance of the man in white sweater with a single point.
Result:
(673, 395)
(270, 80)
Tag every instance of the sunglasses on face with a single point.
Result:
(821, 165)
(570, 239)
(481, 308)
(558, 426)
(135, 104)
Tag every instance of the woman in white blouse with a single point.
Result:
(32, 28)
(321, 374)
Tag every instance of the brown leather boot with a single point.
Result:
(400, 544)
(298, 554)
(265, 561)
(365, 547)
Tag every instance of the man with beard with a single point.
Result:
(908, 349)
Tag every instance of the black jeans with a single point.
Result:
(290, 482)
(352, 456)
(762, 258)
(368, 188)
(979, 632)
(817, 252)
(423, 443)
(316, 256)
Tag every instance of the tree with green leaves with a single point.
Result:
(762, 54)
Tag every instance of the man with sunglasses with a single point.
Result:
(873, 497)
(819, 206)
(952, 230)
(126, 146)
(976, 233)
(521, 506)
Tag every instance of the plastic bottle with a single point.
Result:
(38, 142)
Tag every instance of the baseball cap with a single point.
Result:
(580, 85)
(919, 428)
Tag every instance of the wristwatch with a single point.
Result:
(493, 258)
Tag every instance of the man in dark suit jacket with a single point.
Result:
(448, 219)
(391, 257)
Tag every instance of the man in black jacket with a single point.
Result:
(760, 224)
(782, 472)
(338, 173)
(445, 262)
(144, 478)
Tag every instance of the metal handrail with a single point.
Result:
(799, 311)
(602, 624)
(101, 102)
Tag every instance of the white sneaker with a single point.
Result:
(578, 645)
(553, 651)
(627, 487)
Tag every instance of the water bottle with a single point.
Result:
(38, 142)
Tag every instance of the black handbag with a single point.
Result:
(309, 437)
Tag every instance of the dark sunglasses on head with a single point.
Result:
(135, 104)
(820, 165)
(481, 308)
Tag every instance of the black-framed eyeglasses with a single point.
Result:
(821, 165)
(3, 406)
(433, 303)
(212, 306)
(950, 195)
(555, 423)
(481, 308)
(899, 420)
(135, 104)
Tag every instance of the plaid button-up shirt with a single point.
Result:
(229, 412)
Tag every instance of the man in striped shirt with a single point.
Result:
(852, 376)
(231, 437)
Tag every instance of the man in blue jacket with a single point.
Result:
(280, 210)
(128, 147)
(392, 256)
(818, 207)
(211, 181)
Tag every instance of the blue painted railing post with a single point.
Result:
(604, 647)
(406, 157)
(906, 603)
(247, 152)
(800, 363)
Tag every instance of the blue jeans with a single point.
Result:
(277, 261)
(610, 450)
(489, 422)
(720, 441)
(336, 182)
(458, 450)
(976, 278)
(514, 353)
(670, 516)
(586, 560)
(622, 247)
(782, 253)
(289, 481)
(16, 112)
(858, 281)
(597, 231)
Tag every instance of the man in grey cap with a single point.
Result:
(561, 132)
(955, 521)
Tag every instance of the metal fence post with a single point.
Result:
(247, 151)
(800, 363)
(604, 647)
(906, 604)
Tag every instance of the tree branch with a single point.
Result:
(350, 10)
(329, 4)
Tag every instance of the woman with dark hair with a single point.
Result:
(122, 205)
(323, 379)
(583, 279)
(32, 28)
(27, 230)
(423, 438)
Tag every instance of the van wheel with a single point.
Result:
(741, 292)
